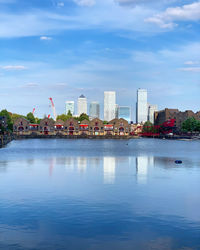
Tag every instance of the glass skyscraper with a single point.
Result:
(69, 106)
(82, 105)
(141, 106)
(125, 113)
(94, 111)
(109, 105)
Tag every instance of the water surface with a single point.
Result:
(100, 194)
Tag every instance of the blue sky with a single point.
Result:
(64, 48)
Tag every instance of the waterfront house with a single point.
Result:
(59, 126)
(71, 127)
(121, 127)
(47, 126)
(84, 127)
(21, 126)
(96, 127)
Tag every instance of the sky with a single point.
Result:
(62, 49)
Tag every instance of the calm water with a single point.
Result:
(100, 195)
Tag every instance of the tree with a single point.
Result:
(6, 114)
(63, 117)
(190, 125)
(69, 113)
(30, 117)
(82, 117)
(148, 127)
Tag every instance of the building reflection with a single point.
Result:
(109, 166)
(143, 166)
(82, 164)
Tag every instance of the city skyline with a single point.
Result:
(63, 48)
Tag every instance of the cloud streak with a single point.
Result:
(168, 18)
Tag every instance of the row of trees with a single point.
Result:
(191, 125)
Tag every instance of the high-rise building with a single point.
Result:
(69, 106)
(109, 105)
(116, 111)
(94, 111)
(151, 110)
(141, 106)
(125, 113)
(82, 105)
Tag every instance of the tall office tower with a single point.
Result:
(151, 110)
(82, 105)
(94, 110)
(141, 106)
(116, 111)
(125, 113)
(69, 106)
(109, 105)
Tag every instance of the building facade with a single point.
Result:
(94, 111)
(151, 111)
(82, 105)
(141, 106)
(125, 113)
(178, 116)
(109, 105)
(69, 106)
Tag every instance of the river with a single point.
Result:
(99, 194)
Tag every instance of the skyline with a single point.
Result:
(65, 48)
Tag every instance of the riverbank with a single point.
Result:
(5, 139)
(61, 136)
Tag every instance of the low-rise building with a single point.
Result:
(21, 126)
(71, 127)
(47, 126)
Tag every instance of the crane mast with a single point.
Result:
(53, 108)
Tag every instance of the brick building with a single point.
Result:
(179, 116)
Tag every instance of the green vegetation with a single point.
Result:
(30, 117)
(64, 117)
(83, 117)
(149, 128)
(6, 114)
(191, 125)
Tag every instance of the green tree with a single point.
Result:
(82, 117)
(69, 113)
(63, 117)
(148, 127)
(5, 113)
(30, 117)
(190, 125)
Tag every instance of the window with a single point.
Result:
(96, 123)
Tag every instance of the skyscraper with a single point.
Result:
(94, 111)
(69, 106)
(109, 105)
(82, 105)
(125, 113)
(141, 106)
(151, 110)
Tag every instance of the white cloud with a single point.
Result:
(61, 4)
(191, 63)
(13, 67)
(191, 69)
(87, 3)
(167, 19)
(30, 85)
(45, 38)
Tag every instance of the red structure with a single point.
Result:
(168, 127)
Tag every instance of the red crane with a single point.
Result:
(53, 108)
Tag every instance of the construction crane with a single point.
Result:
(53, 108)
(33, 111)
